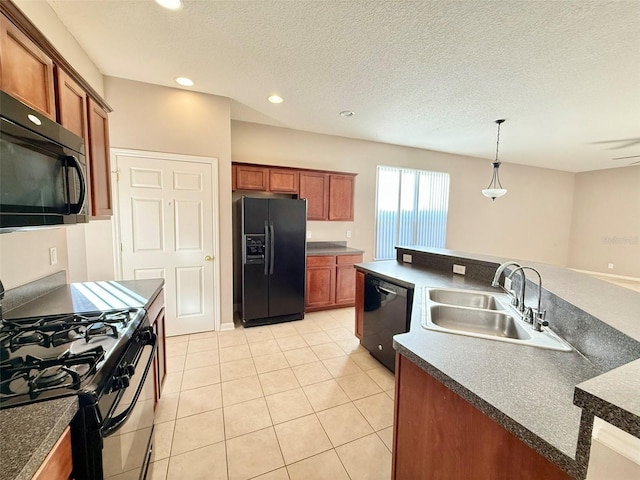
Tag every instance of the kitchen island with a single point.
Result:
(527, 391)
(28, 432)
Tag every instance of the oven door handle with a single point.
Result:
(114, 423)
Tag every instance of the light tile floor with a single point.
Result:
(293, 401)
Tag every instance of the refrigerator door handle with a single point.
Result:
(272, 238)
(267, 243)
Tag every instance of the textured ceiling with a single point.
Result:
(428, 74)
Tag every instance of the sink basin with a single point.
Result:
(484, 322)
(484, 315)
(463, 298)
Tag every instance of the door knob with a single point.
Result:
(208, 258)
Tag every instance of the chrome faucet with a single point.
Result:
(537, 316)
(496, 283)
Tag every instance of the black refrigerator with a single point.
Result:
(274, 259)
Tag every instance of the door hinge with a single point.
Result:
(117, 172)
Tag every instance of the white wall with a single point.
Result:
(531, 222)
(606, 222)
(24, 256)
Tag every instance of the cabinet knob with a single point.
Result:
(208, 258)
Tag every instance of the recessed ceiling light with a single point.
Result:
(275, 99)
(170, 4)
(184, 81)
(347, 113)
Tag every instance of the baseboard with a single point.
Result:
(617, 440)
(608, 275)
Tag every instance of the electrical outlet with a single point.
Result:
(507, 283)
(610, 265)
(459, 269)
(53, 256)
(308, 233)
(406, 258)
(348, 233)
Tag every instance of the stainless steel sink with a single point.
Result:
(484, 322)
(463, 298)
(484, 315)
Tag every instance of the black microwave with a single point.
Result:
(42, 170)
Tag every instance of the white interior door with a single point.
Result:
(166, 221)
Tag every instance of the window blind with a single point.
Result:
(411, 209)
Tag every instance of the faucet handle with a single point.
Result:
(539, 320)
(527, 315)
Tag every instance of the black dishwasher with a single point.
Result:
(387, 310)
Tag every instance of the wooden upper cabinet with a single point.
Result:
(283, 180)
(252, 178)
(341, 194)
(314, 188)
(72, 104)
(98, 160)
(26, 71)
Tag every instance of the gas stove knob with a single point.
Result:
(120, 382)
(129, 370)
(146, 336)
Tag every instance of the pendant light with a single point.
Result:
(495, 190)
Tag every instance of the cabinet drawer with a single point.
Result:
(348, 259)
(321, 261)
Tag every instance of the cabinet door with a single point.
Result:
(346, 279)
(438, 434)
(359, 303)
(252, 178)
(72, 104)
(314, 188)
(345, 284)
(283, 180)
(99, 164)
(341, 197)
(26, 72)
(321, 281)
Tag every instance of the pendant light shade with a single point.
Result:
(495, 190)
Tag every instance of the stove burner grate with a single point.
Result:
(34, 375)
(60, 329)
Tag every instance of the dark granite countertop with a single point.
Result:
(331, 248)
(28, 433)
(527, 390)
(614, 397)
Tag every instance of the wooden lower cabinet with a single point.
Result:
(58, 464)
(439, 435)
(156, 318)
(321, 280)
(331, 281)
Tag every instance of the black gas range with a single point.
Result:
(102, 357)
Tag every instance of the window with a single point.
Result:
(411, 209)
